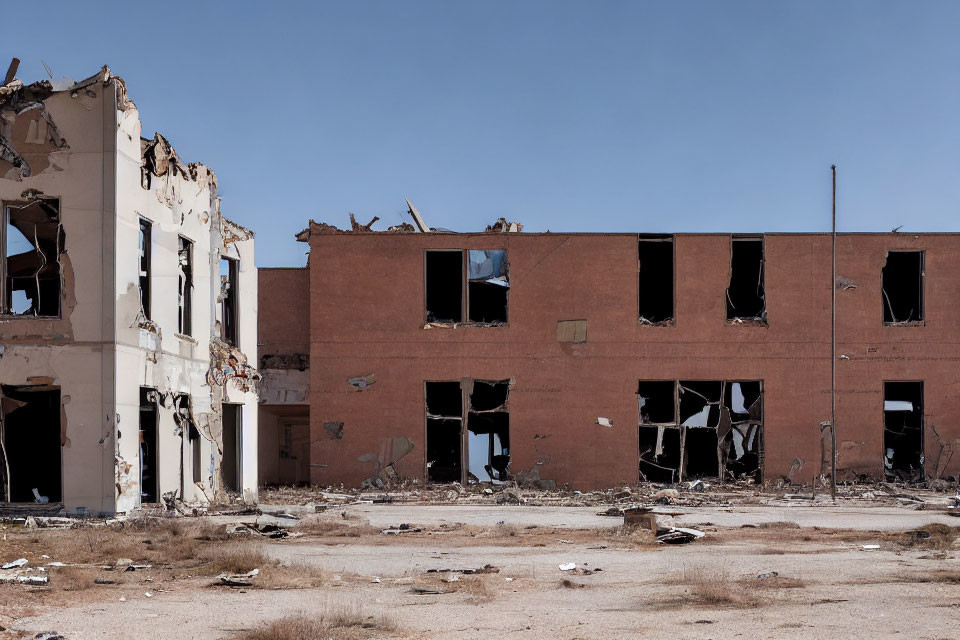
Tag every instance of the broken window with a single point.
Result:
(745, 296)
(229, 272)
(144, 269)
(185, 286)
(483, 293)
(232, 436)
(486, 440)
(699, 429)
(655, 290)
(444, 402)
(149, 471)
(488, 428)
(488, 286)
(903, 287)
(31, 241)
(903, 431)
(31, 429)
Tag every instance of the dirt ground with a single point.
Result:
(410, 584)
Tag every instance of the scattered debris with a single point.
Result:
(870, 547)
(487, 568)
(678, 535)
(15, 564)
(237, 580)
(362, 382)
(568, 566)
(424, 591)
(403, 528)
(771, 574)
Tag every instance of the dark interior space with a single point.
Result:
(695, 396)
(149, 480)
(444, 440)
(229, 300)
(31, 439)
(903, 287)
(489, 445)
(742, 447)
(663, 467)
(656, 278)
(488, 302)
(656, 401)
(145, 246)
(444, 286)
(745, 296)
(700, 454)
(232, 433)
(743, 405)
(443, 399)
(34, 242)
(903, 431)
(488, 395)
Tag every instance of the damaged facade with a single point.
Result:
(127, 350)
(625, 358)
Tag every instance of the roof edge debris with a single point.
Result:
(157, 154)
(502, 225)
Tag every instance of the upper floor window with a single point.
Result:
(476, 290)
(146, 231)
(31, 241)
(746, 298)
(229, 274)
(185, 286)
(903, 288)
(655, 289)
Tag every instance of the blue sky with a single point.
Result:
(567, 116)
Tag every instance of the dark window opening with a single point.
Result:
(30, 430)
(197, 457)
(229, 274)
(144, 268)
(185, 286)
(444, 286)
(903, 431)
(31, 242)
(489, 396)
(444, 405)
(488, 427)
(230, 463)
(488, 286)
(700, 429)
(701, 454)
(903, 287)
(657, 401)
(659, 454)
(746, 299)
(444, 399)
(489, 446)
(149, 472)
(655, 289)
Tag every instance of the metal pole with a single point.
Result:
(833, 348)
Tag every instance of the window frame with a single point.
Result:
(6, 312)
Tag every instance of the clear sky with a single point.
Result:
(568, 116)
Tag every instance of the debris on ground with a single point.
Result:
(487, 568)
(770, 574)
(678, 535)
(15, 564)
(403, 528)
(238, 579)
(425, 591)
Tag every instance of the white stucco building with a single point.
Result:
(128, 312)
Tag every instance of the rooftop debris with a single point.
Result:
(503, 226)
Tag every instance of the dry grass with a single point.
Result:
(335, 526)
(335, 623)
(779, 524)
(242, 557)
(713, 587)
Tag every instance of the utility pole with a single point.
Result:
(833, 349)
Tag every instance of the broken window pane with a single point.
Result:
(903, 287)
(659, 454)
(655, 290)
(903, 431)
(444, 284)
(185, 285)
(444, 407)
(229, 272)
(230, 464)
(488, 395)
(149, 471)
(144, 267)
(657, 401)
(31, 435)
(700, 403)
(745, 296)
(489, 446)
(32, 243)
(488, 286)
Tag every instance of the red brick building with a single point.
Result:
(595, 360)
